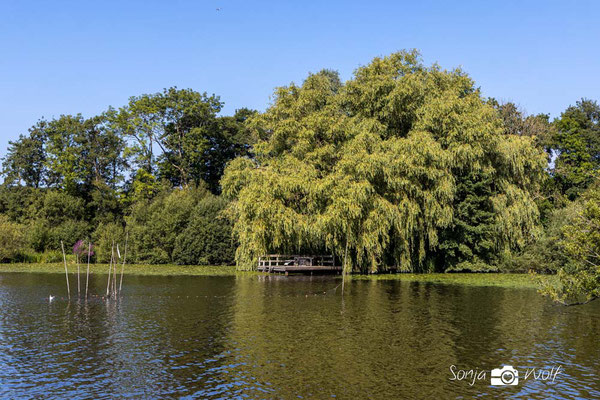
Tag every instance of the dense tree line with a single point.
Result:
(151, 168)
(404, 167)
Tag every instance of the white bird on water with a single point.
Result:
(50, 298)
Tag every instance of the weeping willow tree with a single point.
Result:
(368, 170)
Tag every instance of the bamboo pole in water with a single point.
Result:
(345, 265)
(78, 284)
(114, 282)
(87, 278)
(110, 268)
(123, 265)
(66, 272)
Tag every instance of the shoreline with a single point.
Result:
(130, 269)
(510, 280)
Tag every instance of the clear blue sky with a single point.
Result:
(59, 57)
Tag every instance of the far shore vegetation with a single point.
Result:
(403, 167)
(129, 269)
(469, 279)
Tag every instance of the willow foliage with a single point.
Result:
(368, 170)
(578, 247)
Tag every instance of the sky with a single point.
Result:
(69, 57)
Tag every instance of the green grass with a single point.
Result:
(471, 279)
(136, 269)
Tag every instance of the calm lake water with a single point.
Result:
(288, 337)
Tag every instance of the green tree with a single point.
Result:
(101, 150)
(370, 170)
(177, 136)
(470, 243)
(232, 139)
(517, 122)
(63, 152)
(577, 142)
(72, 177)
(176, 121)
(579, 276)
(25, 159)
(70, 153)
(63, 216)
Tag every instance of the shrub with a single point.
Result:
(579, 274)
(207, 240)
(12, 240)
(69, 232)
(16, 201)
(154, 225)
(103, 239)
(547, 254)
(38, 235)
(60, 207)
(51, 256)
(28, 256)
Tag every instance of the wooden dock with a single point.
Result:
(281, 263)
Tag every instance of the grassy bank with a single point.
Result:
(135, 269)
(472, 279)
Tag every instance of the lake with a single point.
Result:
(254, 336)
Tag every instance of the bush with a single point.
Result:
(154, 225)
(104, 236)
(12, 240)
(69, 232)
(52, 256)
(207, 240)
(60, 207)
(547, 254)
(38, 235)
(28, 256)
(16, 202)
(579, 273)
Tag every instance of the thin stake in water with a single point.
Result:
(66, 272)
(110, 268)
(123, 265)
(87, 278)
(114, 282)
(78, 284)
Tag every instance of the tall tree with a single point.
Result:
(101, 151)
(178, 123)
(577, 141)
(470, 242)
(371, 169)
(232, 139)
(177, 136)
(25, 160)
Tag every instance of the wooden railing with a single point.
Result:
(270, 261)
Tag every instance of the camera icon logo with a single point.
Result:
(505, 376)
